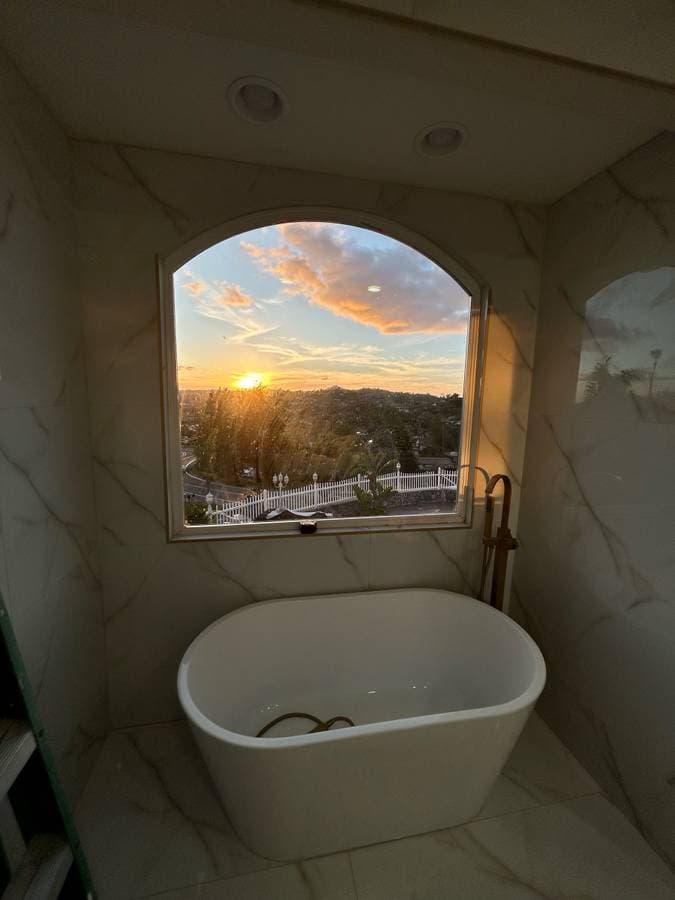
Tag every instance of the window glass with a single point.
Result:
(320, 375)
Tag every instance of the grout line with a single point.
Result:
(280, 864)
(513, 812)
(125, 729)
(349, 853)
(273, 865)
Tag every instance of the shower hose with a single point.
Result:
(320, 725)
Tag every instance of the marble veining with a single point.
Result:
(650, 205)
(501, 455)
(102, 604)
(578, 848)
(595, 573)
(49, 571)
(524, 219)
(175, 216)
(521, 357)
(134, 204)
(545, 831)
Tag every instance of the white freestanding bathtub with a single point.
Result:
(439, 687)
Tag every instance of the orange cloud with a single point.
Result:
(222, 300)
(232, 295)
(320, 262)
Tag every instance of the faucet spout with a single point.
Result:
(508, 490)
(480, 469)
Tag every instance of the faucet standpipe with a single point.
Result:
(497, 545)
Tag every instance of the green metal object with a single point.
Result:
(31, 713)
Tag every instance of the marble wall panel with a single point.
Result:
(595, 577)
(49, 571)
(134, 204)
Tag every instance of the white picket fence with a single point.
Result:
(327, 493)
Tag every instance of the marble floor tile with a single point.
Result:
(152, 826)
(328, 878)
(577, 848)
(150, 820)
(540, 770)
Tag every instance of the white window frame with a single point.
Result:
(471, 395)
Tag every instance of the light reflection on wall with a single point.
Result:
(628, 343)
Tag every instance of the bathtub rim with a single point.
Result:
(528, 697)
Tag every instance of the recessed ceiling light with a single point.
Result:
(257, 99)
(440, 139)
(374, 288)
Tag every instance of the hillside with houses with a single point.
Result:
(236, 443)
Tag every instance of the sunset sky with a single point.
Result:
(290, 305)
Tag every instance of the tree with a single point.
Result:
(224, 429)
(372, 462)
(406, 454)
(372, 502)
(259, 433)
(238, 429)
(195, 513)
(656, 356)
(205, 437)
(214, 439)
(602, 378)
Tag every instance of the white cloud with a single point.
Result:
(324, 264)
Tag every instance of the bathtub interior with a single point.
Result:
(374, 657)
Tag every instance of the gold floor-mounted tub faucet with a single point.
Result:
(496, 546)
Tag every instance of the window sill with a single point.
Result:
(324, 527)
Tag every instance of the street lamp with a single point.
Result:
(280, 481)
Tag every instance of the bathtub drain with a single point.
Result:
(319, 726)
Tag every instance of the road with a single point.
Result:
(196, 488)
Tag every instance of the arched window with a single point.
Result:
(319, 375)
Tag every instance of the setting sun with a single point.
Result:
(250, 380)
